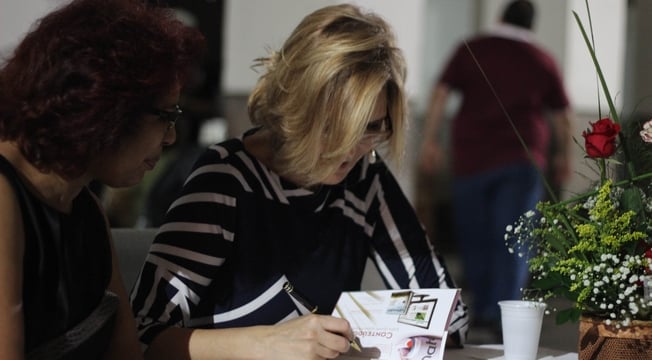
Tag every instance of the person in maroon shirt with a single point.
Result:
(495, 180)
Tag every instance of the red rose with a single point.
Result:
(600, 142)
(648, 255)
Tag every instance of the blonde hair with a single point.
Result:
(320, 89)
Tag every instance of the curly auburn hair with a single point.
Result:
(80, 81)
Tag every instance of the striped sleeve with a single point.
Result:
(189, 249)
(402, 251)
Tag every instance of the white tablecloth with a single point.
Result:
(495, 352)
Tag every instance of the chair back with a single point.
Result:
(131, 246)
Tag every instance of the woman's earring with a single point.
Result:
(372, 156)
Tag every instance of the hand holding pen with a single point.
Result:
(305, 337)
(313, 309)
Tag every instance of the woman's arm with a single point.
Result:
(12, 247)
(305, 337)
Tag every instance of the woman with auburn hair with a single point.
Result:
(300, 201)
(89, 94)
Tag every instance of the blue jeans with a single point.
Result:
(483, 206)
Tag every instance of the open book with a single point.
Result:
(398, 324)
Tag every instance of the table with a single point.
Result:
(495, 352)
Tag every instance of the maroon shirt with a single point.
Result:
(528, 83)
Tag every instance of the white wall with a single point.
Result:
(609, 28)
(254, 26)
(446, 24)
(16, 16)
(426, 30)
(408, 21)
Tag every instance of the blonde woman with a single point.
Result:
(302, 199)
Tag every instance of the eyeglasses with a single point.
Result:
(171, 116)
(378, 131)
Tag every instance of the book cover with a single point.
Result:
(398, 324)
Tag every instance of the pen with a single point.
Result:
(290, 290)
(313, 309)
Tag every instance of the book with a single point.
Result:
(402, 324)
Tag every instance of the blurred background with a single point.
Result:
(238, 31)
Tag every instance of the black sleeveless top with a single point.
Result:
(66, 268)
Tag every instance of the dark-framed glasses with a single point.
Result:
(170, 116)
(378, 130)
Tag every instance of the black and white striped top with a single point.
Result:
(238, 232)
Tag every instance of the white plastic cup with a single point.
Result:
(521, 326)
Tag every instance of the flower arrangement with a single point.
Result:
(596, 248)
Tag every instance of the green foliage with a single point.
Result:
(590, 252)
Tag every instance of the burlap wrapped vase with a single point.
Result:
(599, 341)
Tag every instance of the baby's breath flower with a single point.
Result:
(591, 249)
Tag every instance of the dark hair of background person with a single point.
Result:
(69, 93)
(519, 13)
(201, 98)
